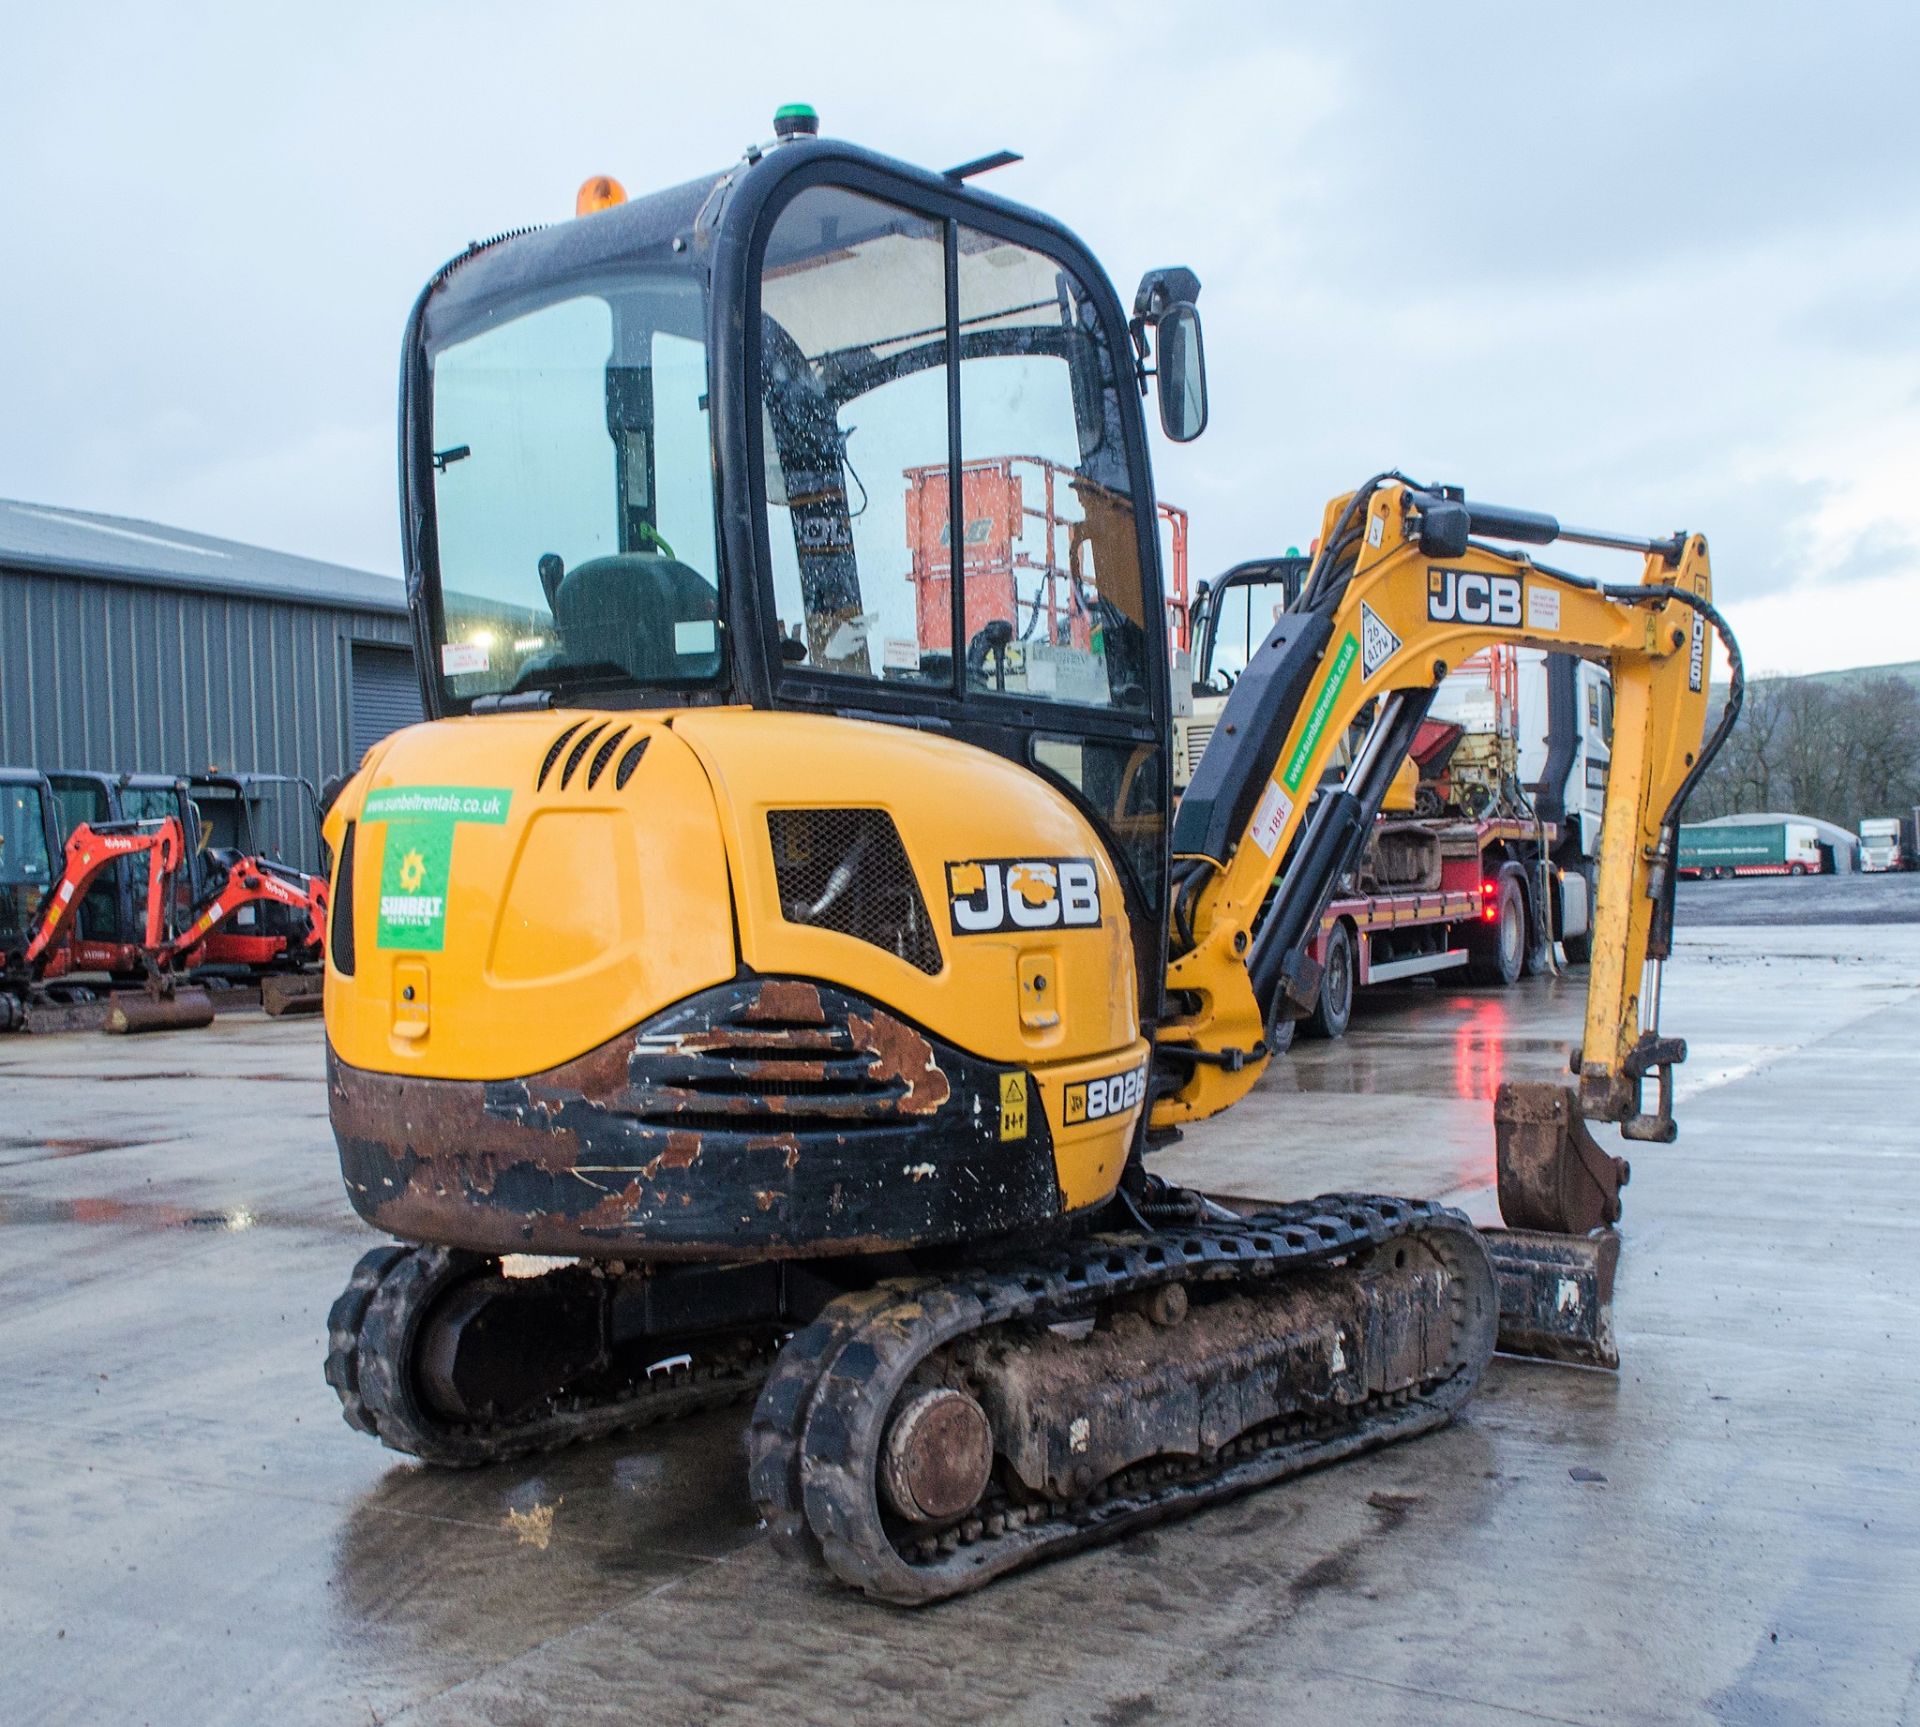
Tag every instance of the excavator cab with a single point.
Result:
(29, 857)
(111, 913)
(678, 454)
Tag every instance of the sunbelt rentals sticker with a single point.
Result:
(1320, 713)
(417, 863)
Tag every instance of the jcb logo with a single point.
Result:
(1467, 597)
(990, 894)
(815, 532)
(1096, 1099)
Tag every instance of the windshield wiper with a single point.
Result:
(555, 682)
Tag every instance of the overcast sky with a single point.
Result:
(1646, 267)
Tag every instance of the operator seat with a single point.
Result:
(624, 609)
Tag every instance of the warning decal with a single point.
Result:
(1270, 819)
(1013, 1106)
(1378, 644)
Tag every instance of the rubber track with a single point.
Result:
(371, 1333)
(817, 1427)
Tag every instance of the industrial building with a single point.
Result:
(138, 648)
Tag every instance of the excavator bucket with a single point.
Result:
(284, 993)
(1560, 1197)
(132, 1011)
(1553, 1174)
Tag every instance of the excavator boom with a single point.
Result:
(1405, 587)
(1403, 590)
(91, 848)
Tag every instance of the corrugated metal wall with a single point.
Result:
(132, 678)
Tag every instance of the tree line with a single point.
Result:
(1840, 751)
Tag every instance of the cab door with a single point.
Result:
(954, 501)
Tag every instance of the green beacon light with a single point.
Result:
(795, 120)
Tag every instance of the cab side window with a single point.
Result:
(1055, 603)
(26, 867)
(854, 421)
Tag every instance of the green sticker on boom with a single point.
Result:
(1322, 707)
(417, 861)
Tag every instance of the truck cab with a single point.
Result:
(1887, 843)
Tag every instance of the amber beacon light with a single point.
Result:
(601, 192)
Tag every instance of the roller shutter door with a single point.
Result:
(386, 695)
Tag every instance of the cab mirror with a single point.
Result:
(1182, 373)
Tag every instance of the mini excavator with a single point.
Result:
(49, 940)
(742, 986)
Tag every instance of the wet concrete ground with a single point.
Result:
(1772, 901)
(1729, 1530)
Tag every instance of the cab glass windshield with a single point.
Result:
(573, 495)
(26, 867)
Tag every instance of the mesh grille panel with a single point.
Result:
(846, 870)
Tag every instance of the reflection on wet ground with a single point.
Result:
(151, 1214)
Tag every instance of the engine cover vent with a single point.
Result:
(846, 870)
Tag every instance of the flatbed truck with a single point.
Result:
(1487, 871)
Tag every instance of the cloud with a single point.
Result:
(1644, 265)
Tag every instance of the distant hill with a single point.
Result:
(1906, 670)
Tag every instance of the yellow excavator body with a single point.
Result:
(525, 903)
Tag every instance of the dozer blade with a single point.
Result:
(1556, 1294)
(133, 1011)
(292, 992)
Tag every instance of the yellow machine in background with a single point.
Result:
(814, 973)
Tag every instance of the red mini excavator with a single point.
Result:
(55, 945)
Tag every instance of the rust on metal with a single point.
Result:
(696, 1134)
(617, 1208)
(1553, 1175)
(938, 1454)
(1069, 1412)
(790, 1001)
(133, 1011)
(683, 1151)
(903, 1054)
(283, 993)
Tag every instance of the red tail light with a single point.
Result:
(1489, 902)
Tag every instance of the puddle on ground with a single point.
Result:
(47, 1150)
(146, 1214)
(160, 1073)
